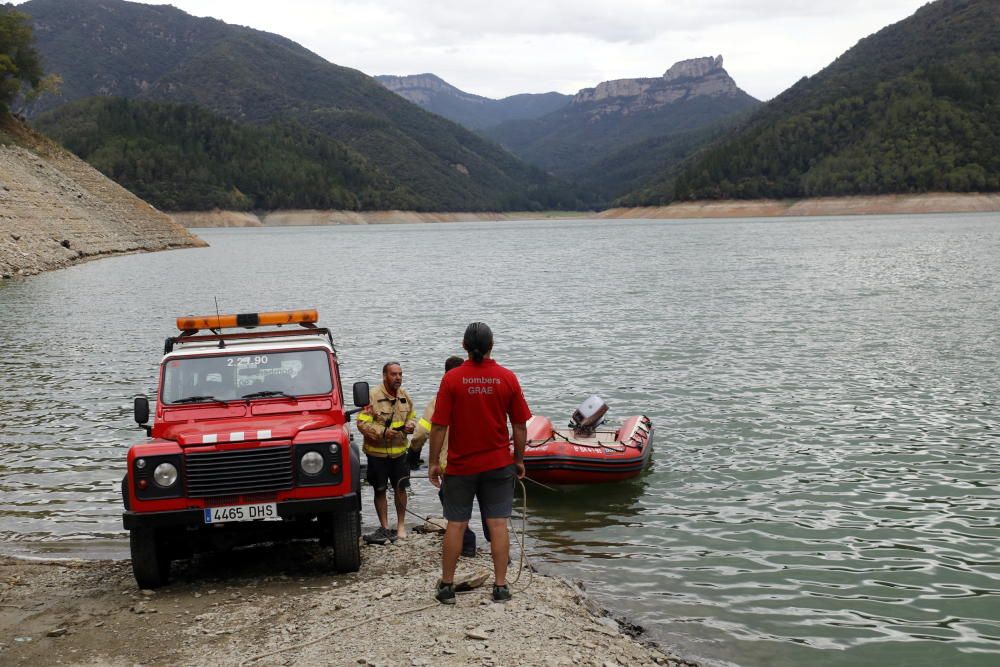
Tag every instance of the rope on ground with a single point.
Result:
(339, 630)
(519, 538)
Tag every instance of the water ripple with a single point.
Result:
(826, 484)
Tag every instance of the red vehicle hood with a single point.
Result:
(264, 427)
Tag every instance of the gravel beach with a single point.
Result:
(282, 605)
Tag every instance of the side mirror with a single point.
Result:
(141, 407)
(362, 395)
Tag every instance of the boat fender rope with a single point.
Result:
(532, 443)
(600, 444)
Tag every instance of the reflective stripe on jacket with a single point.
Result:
(385, 412)
(423, 430)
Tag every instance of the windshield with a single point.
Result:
(233, 377)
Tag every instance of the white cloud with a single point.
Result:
(500, 49)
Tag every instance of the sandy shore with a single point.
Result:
(309, 218)
(935, 202)
(282, 605)
(822, 206)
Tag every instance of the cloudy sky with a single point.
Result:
(532, 46)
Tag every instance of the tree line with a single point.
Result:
(182, 157)
(934, 130)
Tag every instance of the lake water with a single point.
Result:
(826, 480)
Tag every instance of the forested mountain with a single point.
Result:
(473, 111)
(182, 157)
(159, 53)
(626, 169)
(912, 108)
(641, 125)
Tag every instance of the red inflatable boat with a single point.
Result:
(584, 453)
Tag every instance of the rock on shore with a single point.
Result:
(282, 605)
(57, 210)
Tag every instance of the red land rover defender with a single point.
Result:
(249, 443)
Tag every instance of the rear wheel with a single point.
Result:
(150, 562)
(347, 541)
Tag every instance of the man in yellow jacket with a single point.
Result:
(420, 435)
(385, 424)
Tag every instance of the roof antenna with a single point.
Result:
(218, 318)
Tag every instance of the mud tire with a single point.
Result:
(150, 561)
(125, 500)
(347, 541)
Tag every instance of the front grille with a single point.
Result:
(223, 501)
(235, 472)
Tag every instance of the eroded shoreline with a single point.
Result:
(765, 208)
(282, 605)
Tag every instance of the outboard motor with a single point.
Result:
(588, 416)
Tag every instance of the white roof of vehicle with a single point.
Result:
(200, 348)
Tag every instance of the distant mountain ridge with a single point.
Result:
(159, 53)
(912, 108)
(638, 125)
(473, 111)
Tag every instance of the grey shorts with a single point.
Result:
(493, 488)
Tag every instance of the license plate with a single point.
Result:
(257, 512)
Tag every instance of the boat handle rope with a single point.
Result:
(532, 443)
(556, 434)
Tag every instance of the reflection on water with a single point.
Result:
(581, 521)
(825, 488)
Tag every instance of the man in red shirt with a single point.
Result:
(473, 405)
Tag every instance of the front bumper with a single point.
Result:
(287, 509)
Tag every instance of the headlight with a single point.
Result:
(140, 464)
(165, 475)
(334, 449)
(311, 463)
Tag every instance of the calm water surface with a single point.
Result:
(826, 480)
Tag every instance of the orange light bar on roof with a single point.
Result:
(247, 320)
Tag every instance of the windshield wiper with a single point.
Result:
(268, 394)
(199, 399)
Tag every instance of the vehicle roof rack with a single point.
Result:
(171, 341)
(191, 325)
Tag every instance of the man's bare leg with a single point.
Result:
(400, 498)
(451, 548)
(499, 548)
(382, 508)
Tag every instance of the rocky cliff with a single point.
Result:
(57, 210)
(609, 138)
(687, 79)
(421, 88)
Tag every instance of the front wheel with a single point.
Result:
(347, 541)
(150, 562)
